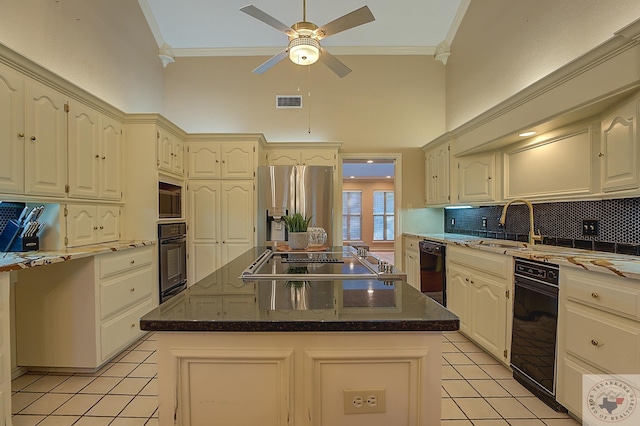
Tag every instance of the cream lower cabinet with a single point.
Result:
(478, 288)
(221, 224)
(598, 331)
(412, 260)
(89, 224)
(76, 315)
(5, 347)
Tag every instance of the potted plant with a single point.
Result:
(297, 226)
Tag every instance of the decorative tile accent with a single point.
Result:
(560, 223)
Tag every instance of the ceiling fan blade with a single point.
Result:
(334, 63)
(271, 62)
(350, 20)
(251, 10)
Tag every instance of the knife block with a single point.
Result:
(10, 239)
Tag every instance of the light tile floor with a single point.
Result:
(476, 391)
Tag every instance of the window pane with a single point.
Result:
(378, 228)
(389, 203)
(354, 203)
(390, 230)
(354, 228)
(378, 202)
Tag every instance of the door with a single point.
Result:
(204, 229)
(46, 144)
(12, 137)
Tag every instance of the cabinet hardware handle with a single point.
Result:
(133, 261)
(600, 155)
(133, 325)
(596, 343)
(21, 135)
(33, 138)
(489, 177)
(95, 228)
(133, 289)
(471, 281)
(595, 295)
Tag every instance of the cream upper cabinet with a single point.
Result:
(226, 160)
(12, 131)
(619, 148)
(557, 166)
(237, 160)
(437, 175)
(46, 141)
(203, 159)
(302, 157)
(88, 224)
(170, 153)
(478, 288)
(477, 178)
(95, 154)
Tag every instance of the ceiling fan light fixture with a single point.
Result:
(304, 50)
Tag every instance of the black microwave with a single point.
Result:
(169, 200)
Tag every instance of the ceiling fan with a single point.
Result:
(304, 38)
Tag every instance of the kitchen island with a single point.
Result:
(319, 352)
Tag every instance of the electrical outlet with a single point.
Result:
(453, 221)
(360, 401)
(484, 222)
(590, 227)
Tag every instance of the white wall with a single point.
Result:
(386, 103)
(102, 46)
(503, 46)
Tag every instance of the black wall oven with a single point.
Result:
(535, 324)
(433, 273)
(172, 244)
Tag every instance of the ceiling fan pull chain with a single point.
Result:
(309, 95)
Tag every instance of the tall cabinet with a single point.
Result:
(221, 199)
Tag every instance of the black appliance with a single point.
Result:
(535, 324)
(172, 246)
(433, 274)
(169, 200)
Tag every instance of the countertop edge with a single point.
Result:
(625, 266)
(15, 261)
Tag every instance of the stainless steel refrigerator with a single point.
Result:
(284, 190)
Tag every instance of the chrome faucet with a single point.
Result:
(533, 237)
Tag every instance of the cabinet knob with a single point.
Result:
(103, 157)
(133, 289)
(95, 228)
(133, 325)
(97, 156)
(596, 343)
(466, 279)
(102, 227)
(489, 177)
(223, 161)
(600, 155)
(33, 138)
(133, 261)
(595, 295)
(21, 135)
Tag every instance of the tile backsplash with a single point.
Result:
(560, 223)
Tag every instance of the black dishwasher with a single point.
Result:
(432, 271)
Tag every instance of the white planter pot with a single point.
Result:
(298, 240)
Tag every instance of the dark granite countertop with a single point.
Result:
(223, 302)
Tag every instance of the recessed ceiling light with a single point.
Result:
(369, 161)
(352, 177)
(388, 177)
(525, 134)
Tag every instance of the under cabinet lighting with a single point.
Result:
(457, 207)
(526, 134)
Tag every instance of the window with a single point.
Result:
(352, 215)
(383, 204)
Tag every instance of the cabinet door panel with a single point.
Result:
(458, 295)
(476, 178)
(81, 225)
(236, 218)
(109, 223)
(84, 159)
(165, 151)
(110, 159)
(46, 144)
(489, 314)
(619, 150)
(237, 161)
(204, 160)
(11, 127)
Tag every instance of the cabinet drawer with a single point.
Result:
(124, 291)
(121, 331)
(116, 263)
(607, 342)
(602, 292)
(499, 265)
(411, 243)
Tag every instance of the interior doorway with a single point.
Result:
(370, 200)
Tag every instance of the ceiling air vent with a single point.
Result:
(288, 101)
